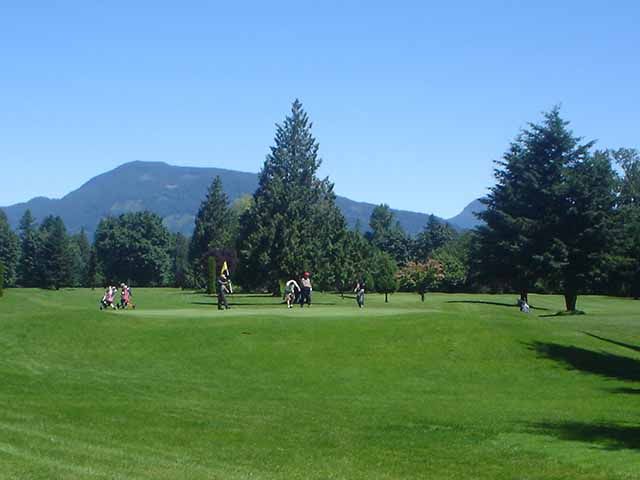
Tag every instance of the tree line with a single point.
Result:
(561, 217)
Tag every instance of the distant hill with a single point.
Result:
(172, 192)
(466, 219)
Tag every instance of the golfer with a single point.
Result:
(359, 291)
(222, 287)
(305, 291)
(291, 291)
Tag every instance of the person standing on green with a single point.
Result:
(306, 288)
(222, 287)
(360, 291)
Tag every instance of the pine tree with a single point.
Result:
(28, 270)
(213, 229)
(293, 220)
(54, 255)
(212, 274)
(80, 253)
(628, 220)
(9, 251)
(387, 234)
(91, 278)
(517, 245)
(435, 234)
(584, 226)
(181, 269)
(359, 260)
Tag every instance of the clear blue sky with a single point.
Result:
(411, 101)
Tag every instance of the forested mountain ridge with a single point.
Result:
(174, 193)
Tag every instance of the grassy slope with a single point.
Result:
(453, 388)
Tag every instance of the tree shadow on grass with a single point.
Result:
(615, 342)
(599, 363)
(627, 391)
(499, 304)
(483, 302)
(563, 313)
(607, 436)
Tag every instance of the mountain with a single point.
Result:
(172, 192)
(466, 219)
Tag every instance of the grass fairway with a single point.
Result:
(460, 387)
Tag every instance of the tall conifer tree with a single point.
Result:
(28, 270)
(9, 251)
(214, 227)
(628, 220)
(293, 222)
(517, 244)
(54, 255)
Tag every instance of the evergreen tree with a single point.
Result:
(80, 253)
(293, 220)
(213, 229)
(387, 234)
(28, 270)
(434, 235)
(518, 243)
(54, 254)
(91, 278)
(330, 228)
(628, 220)
(181, 268)
(358, 263)
(584, 226)
(134, 248)
(212, 275)
(1, 279)
(385, 275)
(9, 251)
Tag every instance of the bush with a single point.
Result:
(211, 275)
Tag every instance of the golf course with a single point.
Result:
(460, 386)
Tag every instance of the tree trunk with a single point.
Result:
(386, 298)
(570, 298)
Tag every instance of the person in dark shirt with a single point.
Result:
(222, 287)
(359, 291)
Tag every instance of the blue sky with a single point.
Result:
(411, 101)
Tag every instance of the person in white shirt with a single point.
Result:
(291, 291)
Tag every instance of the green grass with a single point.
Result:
(460, 387)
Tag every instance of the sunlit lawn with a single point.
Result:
(460, 387)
